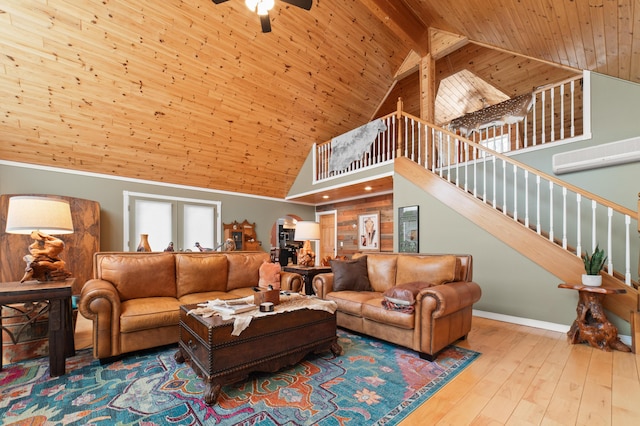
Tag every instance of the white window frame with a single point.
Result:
(128, 196)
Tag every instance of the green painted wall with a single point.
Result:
(25, 179)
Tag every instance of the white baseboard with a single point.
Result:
(561, 328)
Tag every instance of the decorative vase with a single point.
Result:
(592, 280)
(144, 243)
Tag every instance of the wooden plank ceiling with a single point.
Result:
(192, 93)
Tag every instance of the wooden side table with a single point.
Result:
(307, 272)
(58, 296)
(591, 325)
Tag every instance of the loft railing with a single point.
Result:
(558, 112)
(573, 218)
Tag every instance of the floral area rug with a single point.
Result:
(372, 382)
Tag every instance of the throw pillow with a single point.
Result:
(405, 294)
(350, 275)
(269, 275)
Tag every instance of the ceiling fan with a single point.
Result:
(262, 8)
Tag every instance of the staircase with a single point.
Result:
(548, 254)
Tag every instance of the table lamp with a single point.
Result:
(307, 231)
(40, 217)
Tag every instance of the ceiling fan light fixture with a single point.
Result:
(261, 7)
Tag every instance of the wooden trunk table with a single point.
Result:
(592, 325)
(267, 344)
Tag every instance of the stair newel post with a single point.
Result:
(400, 128)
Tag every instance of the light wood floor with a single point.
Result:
(525, 376)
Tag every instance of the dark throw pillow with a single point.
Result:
(350, 275)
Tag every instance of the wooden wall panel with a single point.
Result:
(347, 217)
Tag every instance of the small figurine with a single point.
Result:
(169, 247)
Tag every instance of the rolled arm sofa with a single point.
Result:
(134, 298)
(442, 295)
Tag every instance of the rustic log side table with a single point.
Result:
(591, 325)
(58, 296)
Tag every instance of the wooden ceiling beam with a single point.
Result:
(401, 21)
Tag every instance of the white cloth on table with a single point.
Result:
(287, 303)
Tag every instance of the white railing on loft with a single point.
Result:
(568, 216)
(559, 112)
(382, 151)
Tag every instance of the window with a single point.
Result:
(182, 221)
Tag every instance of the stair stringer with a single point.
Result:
(563, 264)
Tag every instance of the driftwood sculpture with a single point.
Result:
(43, 263)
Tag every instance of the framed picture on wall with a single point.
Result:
(408, 231)
(369, 231)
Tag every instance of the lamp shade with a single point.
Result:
(29, 213)
(307, 230)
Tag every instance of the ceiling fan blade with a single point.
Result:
(303, 4)
(266, 23)
(218, 1)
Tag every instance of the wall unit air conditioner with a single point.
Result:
(609, 154)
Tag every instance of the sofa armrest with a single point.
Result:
(322, 284)
(291, 281)
(451, 297)
(100, 302)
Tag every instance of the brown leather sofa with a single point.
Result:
(134, 298)
(442, 310)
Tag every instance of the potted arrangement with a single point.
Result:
(592, 265)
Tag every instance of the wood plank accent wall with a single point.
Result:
(347, 217)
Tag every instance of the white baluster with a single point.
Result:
(562, 112)
(564, 218)
(515, 193)
(551, 113)
(551, 211)
(627, 250)
(609, 240)
(578, 226)
(538, 225)
(594, 238)
(526, 198)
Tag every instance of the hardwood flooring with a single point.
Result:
(525, 376)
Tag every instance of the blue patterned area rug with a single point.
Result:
(372, 382)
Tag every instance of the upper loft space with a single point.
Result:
(467, 77)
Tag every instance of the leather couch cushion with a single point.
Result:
(434, 269)
(135, 276)
(199, 274)
(244, 268)
(372, 309)
(382, 269)
(350, 274)
(148, 313)
(351, 302)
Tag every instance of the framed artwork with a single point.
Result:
(408, 231)
(369, 231)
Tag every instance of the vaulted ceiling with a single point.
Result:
(190, 92)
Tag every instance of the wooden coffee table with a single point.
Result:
(267, 344)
